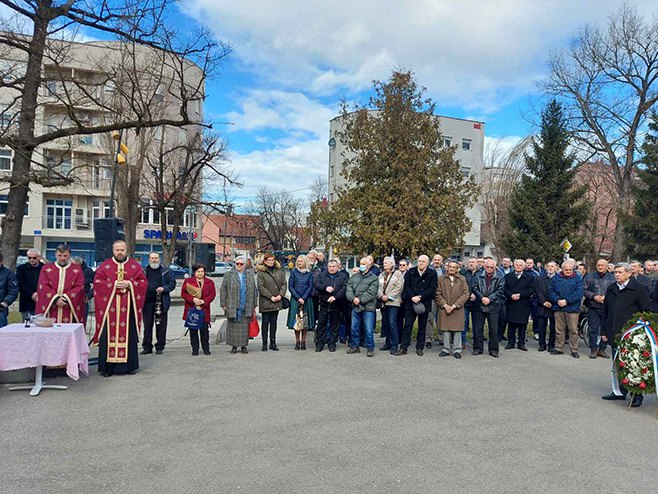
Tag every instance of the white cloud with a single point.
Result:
(475, 53)
(275, 109)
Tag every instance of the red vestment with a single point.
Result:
(66, 283)
(118, 309)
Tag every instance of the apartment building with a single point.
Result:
(466, 136)
(65, 213)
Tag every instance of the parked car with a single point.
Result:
(178, 271)
(221, 268)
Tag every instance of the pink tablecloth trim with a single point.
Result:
(65, 344)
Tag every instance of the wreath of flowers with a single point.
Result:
(635, 361)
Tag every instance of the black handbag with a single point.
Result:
(285, 303)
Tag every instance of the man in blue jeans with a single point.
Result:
(8, 292)
(362, 294)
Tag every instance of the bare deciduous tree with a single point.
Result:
(503, 168)
(143, 60)
(607, 82)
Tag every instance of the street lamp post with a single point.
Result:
(116, 136)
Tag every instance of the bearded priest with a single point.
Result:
(61, 289)
(119, 293)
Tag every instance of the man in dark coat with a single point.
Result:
(520, 287)
(331, 286)
(545, 315)
(8, 291)
(488, 291)
(419, 288)
(624, 298)
(470, 273)
(161, 283)
(27, 276)
(596, 284)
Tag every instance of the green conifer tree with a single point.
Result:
(640, 226)
(547, 206)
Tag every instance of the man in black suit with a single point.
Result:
(419, 287)
(520, 286)
(623, 298)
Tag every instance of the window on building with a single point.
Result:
(160, 93)
(447, 141)
(466, 172)
(157, 133)
(65, 166)
(58, 213)
(6, 118)
(5, 159)
(331, 171)
(190, 219)
(51, 87)
(100, 209)
(4, 201)
(480, 253)
(466, 144)
(87, 139)
(110, 87)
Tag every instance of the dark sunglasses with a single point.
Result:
(32, 258)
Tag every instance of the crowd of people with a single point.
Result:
(441, 301)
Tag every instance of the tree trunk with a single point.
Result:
(18, 189)
(619, 241)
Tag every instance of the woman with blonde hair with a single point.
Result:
(300, 315)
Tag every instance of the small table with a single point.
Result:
(63, 344)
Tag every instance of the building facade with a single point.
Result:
(466, 136)
(65, 213)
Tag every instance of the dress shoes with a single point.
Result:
(146, 352)
(159, 352)
(575, 355)
(206, 352)
(332, 348)
(319, 348)
(273, 346)
(233, 350)
(394, 350)
(371, 353)
(419, 352)
(593, 354)
(637, 401)
(108, 374)
(385, 348)
(542, 348)
(523, 348)
(244, 349)
(428, 344)
(509, 347)
(502, 338)
(602, 354)
(556, 352)
(444, 353)
(352, 350)
(477, 352)
(195, 352)
(457, 355)
(493, 354)
(401, 351)
(264, 349)
(613, 397)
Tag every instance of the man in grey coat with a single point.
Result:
(362, 294)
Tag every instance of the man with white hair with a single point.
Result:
(27, 276)
(565, 292)
(362, 293)
(623, 298)
(519, 287)
(595, 285)
(636, 267)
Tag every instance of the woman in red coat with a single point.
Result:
(198, 291)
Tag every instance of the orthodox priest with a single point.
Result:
(61, 289)
(119, 293)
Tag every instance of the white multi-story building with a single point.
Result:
(65, 214)
(466, 136)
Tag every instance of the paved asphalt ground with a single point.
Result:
(301, 422)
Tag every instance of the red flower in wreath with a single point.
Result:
(628, 335)
(624, 350)
(643, 385)
(624, 381)
(646, 354)
(644, 371)
(622, 364)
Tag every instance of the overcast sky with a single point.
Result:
(293, 61)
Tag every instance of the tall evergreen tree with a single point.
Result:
(406, 192)
(547, 206)
(641, 231)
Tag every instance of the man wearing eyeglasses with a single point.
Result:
(8, 291)
(27, 276)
